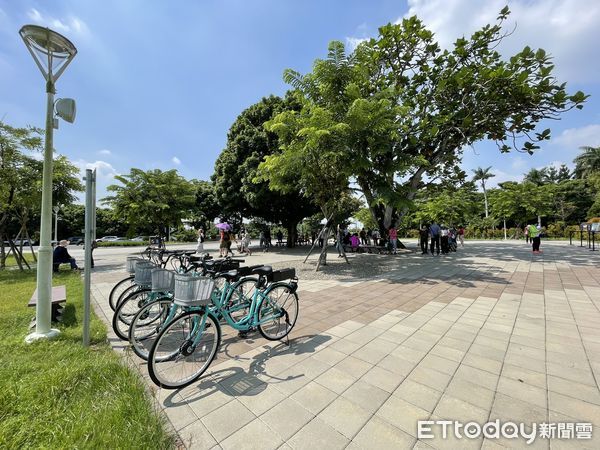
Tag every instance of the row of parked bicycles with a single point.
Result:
(172, 305)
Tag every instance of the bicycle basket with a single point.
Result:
(143, 273)
(131, 262)
(193, 291)
(163, 280)
(281, 275)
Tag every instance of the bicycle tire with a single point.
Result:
(171, 359)
(127, 310)
(116, 291)
(127, 291)
(146, 325)
(279, 298)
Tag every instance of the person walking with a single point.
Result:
(200, 244)
(363, 237)
(444, 239)
(534, 235)
(527, 234)
(461, 235)
(424, 239)
(435, 230)
(393, 235)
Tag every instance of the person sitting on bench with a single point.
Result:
(61, 256)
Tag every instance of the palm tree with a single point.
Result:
(587, 162)
(482, 175)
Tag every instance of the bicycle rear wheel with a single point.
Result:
(278, 312)
(184, 349)
(117, 290)
(127, 310)
(146, 325)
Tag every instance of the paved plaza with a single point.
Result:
(490, 332)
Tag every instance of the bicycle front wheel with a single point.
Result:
(146, 325)
(277, 312)
(184, 349)
(127, 310)
(237, 304)
(117, 290)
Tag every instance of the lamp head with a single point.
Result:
(65, 109)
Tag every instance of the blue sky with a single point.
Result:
(158, 84)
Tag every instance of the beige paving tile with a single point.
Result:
(354, 366)
(470, 393)
(314, 397)
(418, 394)
(573, 407)
(345, 346)
(286, 418)
(329, 356)
(378, 434)
(429, 377)
(454, 409)
(256, 436)
(573, 389)
(318, 434)
(397, 365)
(261, 401)
(196, 436)
(220, 424)
(336, 380)
(345, 416)
(402, 414)
(365, 395)
(440, 364)
(510, 409)
(480, 377)
(383, 379)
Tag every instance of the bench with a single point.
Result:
(59, 296)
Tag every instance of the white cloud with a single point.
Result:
(105, 176)
(176, 160)
(352, 43)
(501, 177)
(566, 29)
(105, 152)
(71, 24)
(571, 139)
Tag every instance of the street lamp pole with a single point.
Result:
(56, 209)
(52, 53)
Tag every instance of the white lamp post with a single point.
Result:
(56, 209)
(52, 54)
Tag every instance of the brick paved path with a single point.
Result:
(491, 332)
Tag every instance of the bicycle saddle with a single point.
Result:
(262, 271)
(232, 275)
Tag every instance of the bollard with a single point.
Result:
(571, 237)
(581, 238)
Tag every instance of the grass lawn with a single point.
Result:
(58, 394)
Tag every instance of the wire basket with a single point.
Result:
(163, 280)
(143, 273)
(131, 262)
(193, 291)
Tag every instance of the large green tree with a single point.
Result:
(152, 200)
(405, 108)
(21, 181)
(236, 187)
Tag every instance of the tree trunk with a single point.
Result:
(291, 233)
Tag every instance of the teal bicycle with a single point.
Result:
(232, 291)
(187, 345)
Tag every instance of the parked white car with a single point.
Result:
(108, 239)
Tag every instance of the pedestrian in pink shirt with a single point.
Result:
(393, 235)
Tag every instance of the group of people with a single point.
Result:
(365, 237)
(226, 238)
(435, 238)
